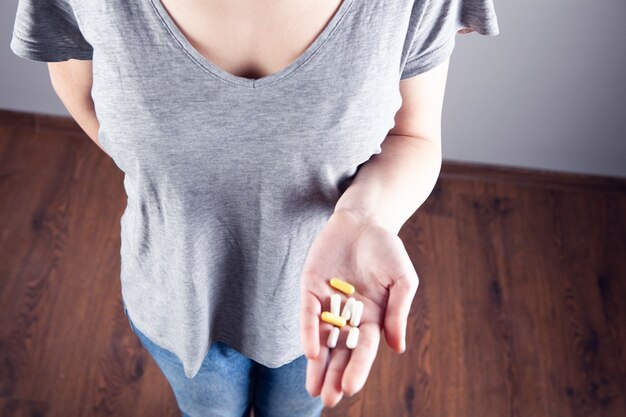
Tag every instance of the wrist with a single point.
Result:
(363, 218)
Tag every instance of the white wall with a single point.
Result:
(549, 92)
(24, 85)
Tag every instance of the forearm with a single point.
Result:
(84, 114)
(86, 118)
(393, 184)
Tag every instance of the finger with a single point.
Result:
(401, 294)
(361, 359)
(309, 323)
(331, 390)
(316, 368)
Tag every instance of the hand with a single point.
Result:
(374, 260)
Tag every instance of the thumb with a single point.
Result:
(401, 293)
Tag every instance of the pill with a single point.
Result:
(333, 336)
(357, 311)
(353, 337)
(335, 304)
(333, 319)
(342, 286)
(348, 308)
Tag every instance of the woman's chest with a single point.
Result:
(162, 108)
(250, 39)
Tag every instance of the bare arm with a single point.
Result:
(360, 241)
(71, 81)
(392, 185)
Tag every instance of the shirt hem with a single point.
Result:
(191, 372)
(430, 60)
(46, 53)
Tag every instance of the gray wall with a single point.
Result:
(549, 92)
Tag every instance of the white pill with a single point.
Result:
(335, 304)
(333, 336)
(357, 311)
(353, 337)
(347, 308)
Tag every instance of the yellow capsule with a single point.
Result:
(333, 319)
(342, 286)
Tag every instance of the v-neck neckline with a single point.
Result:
(224, 75)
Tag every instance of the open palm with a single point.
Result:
(375, 261)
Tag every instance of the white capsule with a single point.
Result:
(347, 308)
(335, 304)
(333, 336)
(357, 311)
(353, 337)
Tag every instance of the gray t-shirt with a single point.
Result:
(230, 179)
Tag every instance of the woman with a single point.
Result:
(266, 147)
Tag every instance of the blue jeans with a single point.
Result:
(230, 384)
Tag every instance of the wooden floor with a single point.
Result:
(520, 311)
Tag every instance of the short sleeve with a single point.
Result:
(48, 31)
(433, 26)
